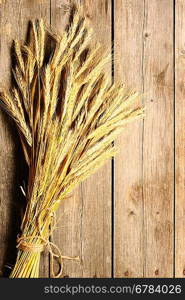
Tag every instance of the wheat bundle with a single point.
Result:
(68, 115)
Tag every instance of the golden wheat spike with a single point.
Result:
(18, 52)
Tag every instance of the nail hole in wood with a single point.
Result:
(156, 272)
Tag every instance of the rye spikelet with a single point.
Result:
(68, 115)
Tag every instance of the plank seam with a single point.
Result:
(143, 127)
(174, 139)
(49, 255)
(112, 162)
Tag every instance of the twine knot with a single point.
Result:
(28, 244)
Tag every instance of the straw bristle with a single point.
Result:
(69, 115)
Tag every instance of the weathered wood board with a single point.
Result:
(127, 220)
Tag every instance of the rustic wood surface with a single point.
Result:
(179, 139)
(128, 200)
(84, 228)
(127, 220)
(14, 18)
(158, 155)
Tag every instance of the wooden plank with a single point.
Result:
(158, 144)
(144, 202)
(180, 138)
(14, 17)
(128, 245)
(85, 226)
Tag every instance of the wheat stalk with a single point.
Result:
(68, 115)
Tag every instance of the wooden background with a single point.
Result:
(128, 220)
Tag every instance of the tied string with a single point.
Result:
(24, 245)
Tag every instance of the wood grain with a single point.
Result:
(128, 244)
(180, 139)
(158, 154)
(84, 228)
(144, 167)
(14, 18)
